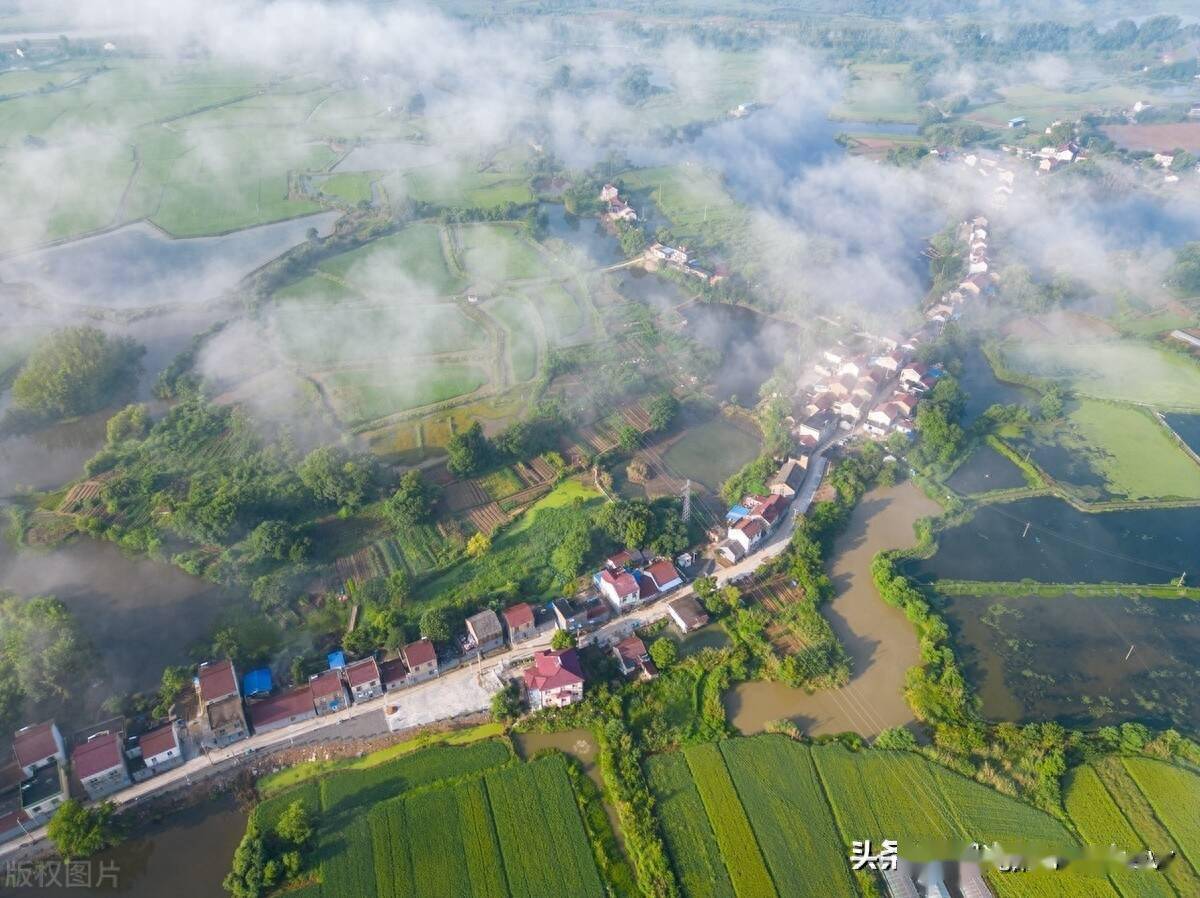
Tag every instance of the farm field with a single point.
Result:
(496, 254)
(444, 821)
(515, 315)
(1041, 106)
(878, 92)
(558, 309)
(450, 184)
(1130, 371)
(378, 267)
(363, 395)
(769, 800)
(1104, 450)
(1156, 137)
(349, 187)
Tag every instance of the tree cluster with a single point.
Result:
(75, 371)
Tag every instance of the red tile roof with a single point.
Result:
(553, 670)
(631, 649)
(217, 680)
(98, 754)
(157, 741)
(647, 588)
(749, 526)
(360, 673)
(35, 743)
(282, 706)
(324, 684)
(663, 573)
(772, 508)
(623, 582)
(518, 616)
(419, 652)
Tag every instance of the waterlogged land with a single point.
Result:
(1064, 545)
(985, 470)
(880, 641)
(1083, 661)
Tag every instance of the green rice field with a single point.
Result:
(378, 269)
(395, 332)
(710, 452)
(363, 395)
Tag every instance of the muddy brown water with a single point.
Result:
(881, 642)
(186, 855)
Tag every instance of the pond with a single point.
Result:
(47, 458)
(751, 346)
(985, 470)
(1064, 545)
(984, 390)
(1187, 428)
(1067, 658)
(186, 855)
(879, 639)
(579, 744)
(139, 266)
(140, 615)
(709, 453)
(587, 235)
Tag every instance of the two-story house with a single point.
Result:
(364, 679)
(161, 749)
(328, 692)
(484, 633)
(99, 765)
(619, 588)
(421, 660)
(222, 718)
(518, 620)
(554, 679)
(39, 745)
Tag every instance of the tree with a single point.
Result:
(435, 626)
(42, 642)
(412, 503)
(1184, 275)
(75, 371)
(399, 586)
(246, 879)
(277, 541)
(478, 545)
(562, 640)
(130, 423)
(468, 452)
(506, 704)
(664, 652)
(637, 471)
(572, 549)
(78, 832)
(174, 680)
(662, 410)
(333, 475)
(629, 438)
(896, 739)
(294, 826)
(1051, 404)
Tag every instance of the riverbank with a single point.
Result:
(880, 641)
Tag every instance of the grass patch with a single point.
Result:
(515, 315)
(415, 253)
(349, 187)
(879, 92)
(1120, 370)
(496, 254)
(365, 395)
(501, 484)
(389, 332)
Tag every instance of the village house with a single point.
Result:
(554, 679)
(393, 674)
(768, 509)
(161, 749)
(293, 706)
(608, 193)
(687, 613)
(364, 679)
(1187, 336)
(884, 415)
(853, 367)
(421, 660)
(816, 426)
(222, 718)
(620, 588)
(789, 478)
(574, 615)
(38, 745)
(632, 658)
(890, 362)
(99, 765)
(518, 620)
(328, 692)
(906, 403)
(841, 387)
(835, 356)
(664, 576)
(625, 558)
(748, 533)
(484, 633)
(913, 373)
(44, 791)
(821, 402)
(730, 552)
(850, 409)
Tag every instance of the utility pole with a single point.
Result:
(687, 501)
(1130, 652)
(1181, 576)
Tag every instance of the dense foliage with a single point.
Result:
(79, 832)
(75, 371)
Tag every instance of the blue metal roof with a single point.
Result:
(257, 682)
(738, 511)
(337, 660)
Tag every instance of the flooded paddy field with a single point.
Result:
(1063, 545)
(1187, 427)
(985, 470)
(712, 451)
(1068, 658)
(983, 389)
(139, 265)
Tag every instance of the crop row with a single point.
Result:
(1174, 794)
(686, 830)
(536, 798)
(778, 786)
(743, 859)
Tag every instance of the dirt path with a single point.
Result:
(881, 642)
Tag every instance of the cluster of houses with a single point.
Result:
(44, 771)
(659, 254)
(615, 208)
